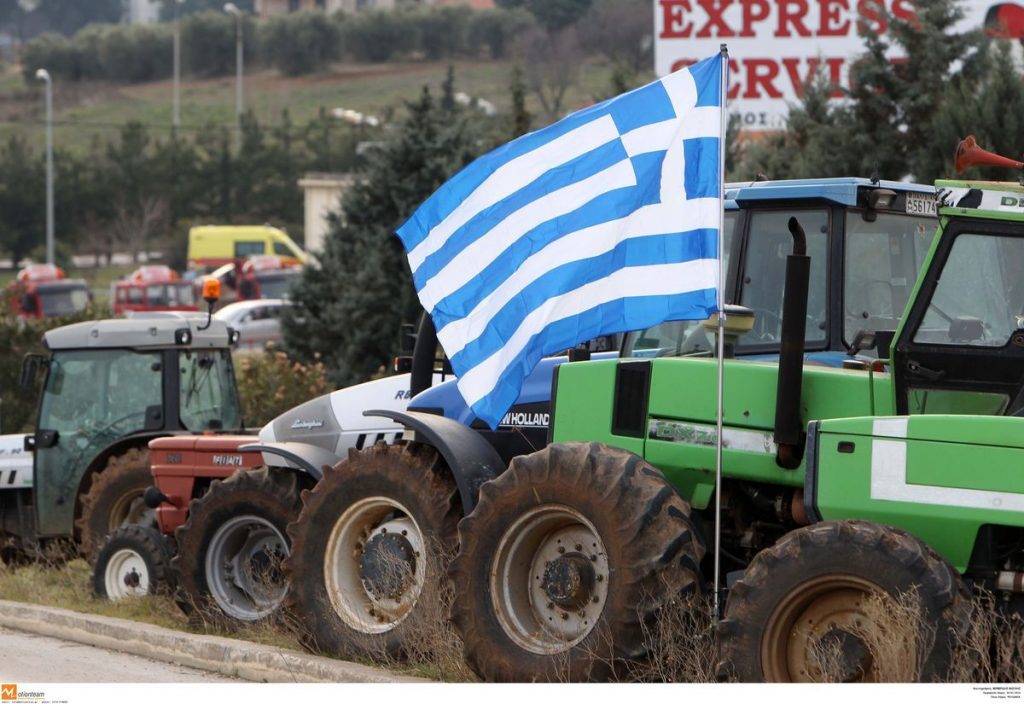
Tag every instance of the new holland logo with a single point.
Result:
(526, 420)
(228, 460)
(307, 424)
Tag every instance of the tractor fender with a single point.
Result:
(472, 460)
(295, 455)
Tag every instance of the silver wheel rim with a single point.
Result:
(131, 510)
(352, 596)
(126, 575)
(243, 568)
(549, 580)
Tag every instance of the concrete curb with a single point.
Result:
(226, 656)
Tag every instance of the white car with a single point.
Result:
(257, 322)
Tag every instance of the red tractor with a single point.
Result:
(152, 288)
(44, 291)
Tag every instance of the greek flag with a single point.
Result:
(604, 222)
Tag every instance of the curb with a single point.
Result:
(226, 656)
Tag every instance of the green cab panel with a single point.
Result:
(939, 477)
(679, 426)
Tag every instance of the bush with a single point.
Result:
(208, 43)
(442, 32)
(270, 384)
(300, 43)
(496, 29)
(54, 52)
(377, 35)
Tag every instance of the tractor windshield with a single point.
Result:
(979, 299)
(209, 396)
(882, 260)
(679, 337)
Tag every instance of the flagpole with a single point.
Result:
(721, 330)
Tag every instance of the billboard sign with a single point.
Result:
(776, 46)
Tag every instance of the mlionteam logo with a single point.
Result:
(8, 692)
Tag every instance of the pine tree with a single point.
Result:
(349, 308)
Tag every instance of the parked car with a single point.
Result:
(257, 322)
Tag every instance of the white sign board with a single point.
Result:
(775, 46)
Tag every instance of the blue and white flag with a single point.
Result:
(604, 222)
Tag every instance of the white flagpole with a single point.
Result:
(721, 329)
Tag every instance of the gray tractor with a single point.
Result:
(109, 387)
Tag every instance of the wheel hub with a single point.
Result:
(388, 566)
(852, 657)
(243, 567)
(132, 580)
(569, 581)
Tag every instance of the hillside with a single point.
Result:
(84, 111)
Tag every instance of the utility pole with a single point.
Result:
(232, 9)
(44, 75)
(176, 121)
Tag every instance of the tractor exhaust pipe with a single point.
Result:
(789, 429)
(422, 376)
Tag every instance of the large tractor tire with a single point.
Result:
(566, 560)
(373, 538)
(115, 500)
(228, 566)
(830, 602)
(133, 561)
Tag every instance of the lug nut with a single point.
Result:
(578, 547)
(600, 578)
(551, 605)
(593, 558)
(561, 550)
(565, 616)
(595, 600)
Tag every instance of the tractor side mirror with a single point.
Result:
(30, 366)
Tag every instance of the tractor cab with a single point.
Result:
(267, 276)
(44, 291)
(961, 350)
(152, 288)
(866, 239)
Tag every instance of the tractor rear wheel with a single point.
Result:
(115, 499)
(133, 561)
(566, 559)
(372, 539)
(846, 601)
(228, 566)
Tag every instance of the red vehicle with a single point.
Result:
(44, 291)
(259, 276)
(154, 287)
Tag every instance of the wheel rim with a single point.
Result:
(130, 509)
(824, 612)
(549, 583)
(243, 567)
(126, 575)
(374, 567)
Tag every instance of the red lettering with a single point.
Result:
(672, 19)
(905, 10)
(870, 12)
(682, 63)
(830, 16)
(734, 70)
(792, 12)
(835, 67)
(715, 8)
(753, 11)
(761, 72)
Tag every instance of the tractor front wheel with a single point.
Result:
(133, 561)
(370, 548)
(843, 601)
(115, 500)
(566, 560)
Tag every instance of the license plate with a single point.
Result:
(921, 204)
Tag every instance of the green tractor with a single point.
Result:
(110, 387)
(843, 491)
(839, 486)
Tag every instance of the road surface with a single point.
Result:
(28, 658)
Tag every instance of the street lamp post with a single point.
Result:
(44, 75)
(232, 9)
(177, 63)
